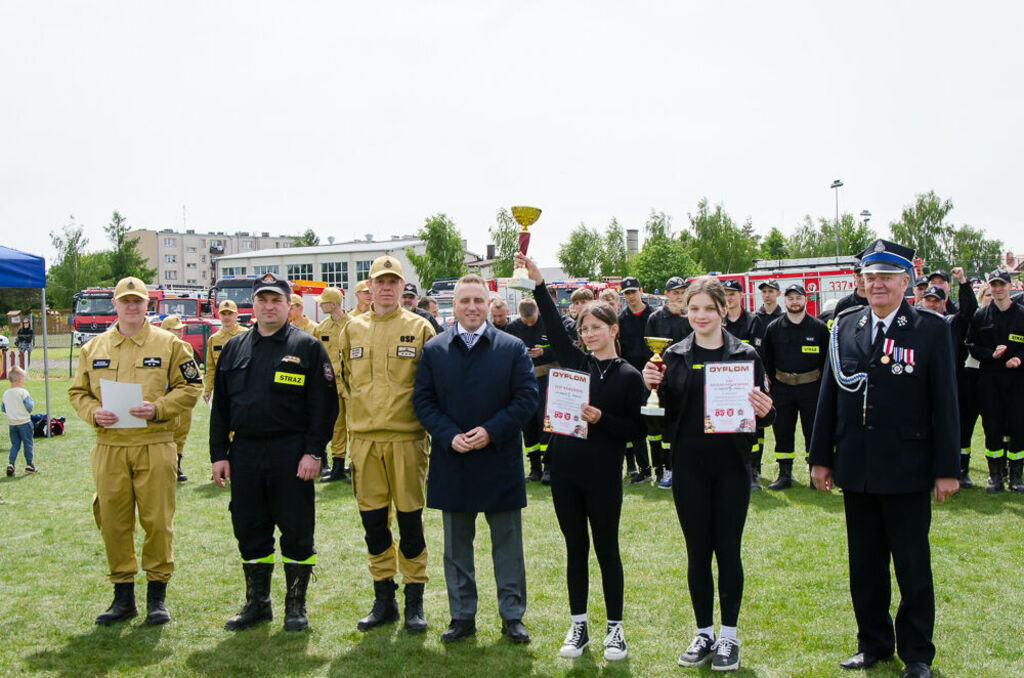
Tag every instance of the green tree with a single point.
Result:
(308, 239)
(662, 255)
(125, 259)
(976, 253)
(614, 257)
(74, 268)
(775, 246)
(921, 226)
(716, 243)
(445, 256)
(505, 236)
(580, 256)
(811, 239)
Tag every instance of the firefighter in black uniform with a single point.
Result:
(857, 296)
(632, 330)
(770, 308)
(886, 431)
(795, 347)
(273, 412)
(748, 328)
(996, 339)
(668, 322)
(530, 329)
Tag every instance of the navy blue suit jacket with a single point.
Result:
(457, 389)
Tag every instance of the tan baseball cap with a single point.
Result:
(171, 322)
(362, 286)
(330, 295)
(295, 299)
(131, 287)
(228, 305)
(386, 265)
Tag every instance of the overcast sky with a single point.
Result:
(354, 118)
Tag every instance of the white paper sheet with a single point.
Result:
(727, 388)
(568, 392)
(118, 397)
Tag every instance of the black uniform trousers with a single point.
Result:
(660, 457)
(265, 492)
(880, 526)
(967, 399)
(1001, 399)
(534, 438)
(790, 401)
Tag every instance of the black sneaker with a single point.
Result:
(575, 640)
(615, 643)
(727, 655)
(10, 470)
(642, 476)
(31, 468)
(700, 650)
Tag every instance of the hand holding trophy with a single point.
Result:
(524, 216)
(653, 407)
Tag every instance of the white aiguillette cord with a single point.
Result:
(850, 383)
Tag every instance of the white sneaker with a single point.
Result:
(575, 640)
(701, 649)
(614, 643)
(666, 480)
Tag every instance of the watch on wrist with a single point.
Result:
(318, 457)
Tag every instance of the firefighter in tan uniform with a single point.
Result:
(229, 327)
(134, 467)
(297, 317)
(363, 300)
(380, 351)
(329, 333)
(183, 425)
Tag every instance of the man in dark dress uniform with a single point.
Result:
(886, 431)
(795, 347)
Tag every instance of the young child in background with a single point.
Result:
(17, 404)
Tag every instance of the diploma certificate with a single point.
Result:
(568, 392)
(727, 388)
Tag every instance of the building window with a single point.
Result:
(236, 270)
(335, 273)
(204, 275)
(170, 242)
(216, 243)
(190, 249)
(247, 244)
(170, 258)
(363, 270)
(262, 270)
(300, 271)
(202, 258)
(170, 275)
(286, 245)
(190, 265)
(191, 281)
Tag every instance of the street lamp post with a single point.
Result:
(836, 184)
(866, 216)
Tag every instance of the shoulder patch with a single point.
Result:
(190, 371)
(328, 371)
(405, 351)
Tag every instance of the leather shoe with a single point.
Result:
(862, 661)
(917, 670)
(514, 629)
(458, 629)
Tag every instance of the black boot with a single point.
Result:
(995, 475)
(965, 470)
(257, 597)
(755, 476)
(385, 606)
(1016, 471)
(325, 469)
(181, 476)
(123, 606)
(785, 479)
(297, 578)
(536, 468)
(415, 620)
(156, 611)
(337, 471)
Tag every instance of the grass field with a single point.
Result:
(796, 618)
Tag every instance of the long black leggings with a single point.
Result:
(587, 491)
(712, 509)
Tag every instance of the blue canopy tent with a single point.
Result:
(19, 269)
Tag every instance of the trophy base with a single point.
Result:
(523, 284)
(652, 411)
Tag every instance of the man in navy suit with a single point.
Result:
(474, 389)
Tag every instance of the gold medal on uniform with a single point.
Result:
(887, 348)
(897, 368)
(885, 359)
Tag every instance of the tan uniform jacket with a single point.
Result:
(214, 345)
(379, 356)
(153, 357)
(329, 334)
(304, 323)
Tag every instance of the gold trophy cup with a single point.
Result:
(653, 407)
(524, 216)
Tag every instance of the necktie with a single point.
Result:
(879, 342)
(469, 338)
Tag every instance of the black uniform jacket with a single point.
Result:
(267, 387)
(909, 434)
(960, 321)
(533, 335)
(665, 323)
(795, 348)
(748, 328)
(632, 330)
(678, 368)
(990, 328)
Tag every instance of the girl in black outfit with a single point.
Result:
(586, 482)
(711, 472)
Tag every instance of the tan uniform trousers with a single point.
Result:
(181, 428)
(126, 477)
(391, 472)
(339, 441)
